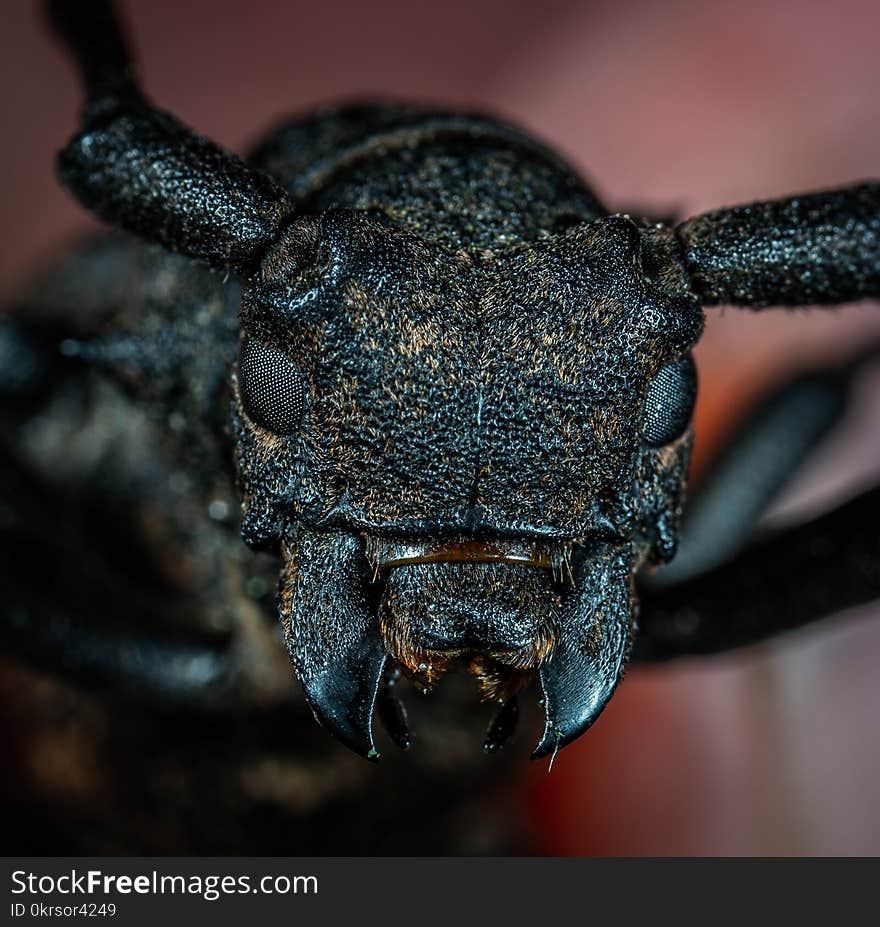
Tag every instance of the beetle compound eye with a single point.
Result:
(670, 402)
(273, 390)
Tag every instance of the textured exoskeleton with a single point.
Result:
(461, 394)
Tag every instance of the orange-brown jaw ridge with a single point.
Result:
(388, 554)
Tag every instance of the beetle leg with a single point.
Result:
(68, 608)
(724, 593)
(76, 297)
(141, 667)
(759, 460)
(85, 589)
(779, 583)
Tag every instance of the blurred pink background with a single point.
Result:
(681, 105)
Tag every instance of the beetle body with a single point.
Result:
(470, 346)
(461, 401)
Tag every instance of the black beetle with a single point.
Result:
(462, 393)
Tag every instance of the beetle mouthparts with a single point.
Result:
(501, 622)
(387, 554)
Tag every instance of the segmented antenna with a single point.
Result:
(91, 31)
(141, 169)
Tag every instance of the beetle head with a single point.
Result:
(465, 456)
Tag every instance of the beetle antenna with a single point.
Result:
(91, 31)
(141, 169)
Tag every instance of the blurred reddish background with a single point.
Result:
(682, 106)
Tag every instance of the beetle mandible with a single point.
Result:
(462, 391)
